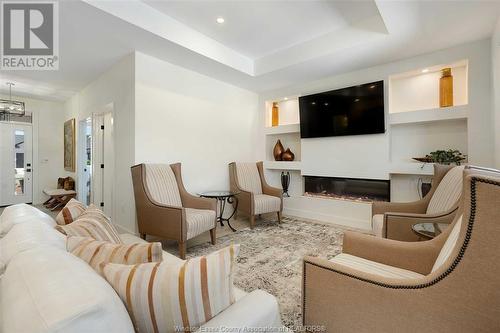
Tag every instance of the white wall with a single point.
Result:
(495, 56)
(115, 87)
(48, 164)
(369, 156)
(373, 156)
(183, 116)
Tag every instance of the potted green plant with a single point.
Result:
(450, 156)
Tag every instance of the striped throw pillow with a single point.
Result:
(96, 253)
(92, 223)
(70, 212)
(175, 296)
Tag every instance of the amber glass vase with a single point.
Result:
(446, 88)
(276, 115)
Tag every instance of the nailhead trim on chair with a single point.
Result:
(459, 257)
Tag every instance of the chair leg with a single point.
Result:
(252, 221)
(213, 235)
(182, 250)
(279, 217)
(143, 236)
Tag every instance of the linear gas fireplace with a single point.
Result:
(348, 188)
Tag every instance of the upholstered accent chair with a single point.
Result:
(447, 284)
(166, 210)
(255, 196)
(394, 220)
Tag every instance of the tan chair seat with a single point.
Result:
(378, 224)
(373, 267)
(199, 221)
(266, 203)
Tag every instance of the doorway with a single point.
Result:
(16, 154)
(85, 161)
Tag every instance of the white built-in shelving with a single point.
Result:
(283, 165)
(418, 89)
(282, 129)
(427, 116)
(416, 125)
(287, 131)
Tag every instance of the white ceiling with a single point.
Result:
(258, 29)
(262, 45)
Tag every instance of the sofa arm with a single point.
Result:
(245, 201)
(337, 298)
(191, 201)
(416, 207)
(256, 312)
(266, 188)
(414, 256)
(398, 226)
(160, 220)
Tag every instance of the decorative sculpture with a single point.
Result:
(285, 182)
(278, 151)
(446, 88)
(288, 155)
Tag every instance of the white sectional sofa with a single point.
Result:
(43, 288)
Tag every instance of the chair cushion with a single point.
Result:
(70, 212)
(373, 267)
(377, 224)
(22, 213)
(448, 191)
(199, 221)
(92, 223)
(266, 204)
(96, 253)
(448, 246)
(162, 185)
(168, 297)
(27, 236)
(50, 290)
(248, 177)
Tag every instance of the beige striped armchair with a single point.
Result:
(166, 210)
(447, 284)
(395, 220)
(254, 196)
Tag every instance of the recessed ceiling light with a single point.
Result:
(372, 86)
(220, 20)
(425, 70)
(286, 98)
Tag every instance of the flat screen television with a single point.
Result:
(349, 111)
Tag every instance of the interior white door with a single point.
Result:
(103, 162)
(16, 153)
(109, 167)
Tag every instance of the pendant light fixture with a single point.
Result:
(10, 106)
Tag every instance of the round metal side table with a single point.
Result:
(223, 197)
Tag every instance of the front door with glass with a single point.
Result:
(15, 163)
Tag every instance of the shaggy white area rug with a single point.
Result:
(271, 258)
